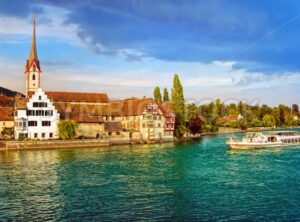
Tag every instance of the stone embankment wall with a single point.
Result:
(52, 144)
(12, 145)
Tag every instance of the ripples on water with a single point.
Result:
(200, 180)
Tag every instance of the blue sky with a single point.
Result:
(224, 49)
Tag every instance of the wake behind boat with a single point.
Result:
(265, 140)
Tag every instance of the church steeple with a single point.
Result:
(33, 53)
(33, 58)
(32, 68)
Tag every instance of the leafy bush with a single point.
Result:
(21, 136)
(67, 129)
(256, 123)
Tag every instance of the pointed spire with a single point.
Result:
(33, 53)
(33, 58)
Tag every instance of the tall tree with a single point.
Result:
(269, 120)
(295, 110)
(157, 94)
(194, 121)
(178, 106)
(166, 94)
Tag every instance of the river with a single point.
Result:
(200, 180)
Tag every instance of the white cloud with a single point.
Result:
(50, 26)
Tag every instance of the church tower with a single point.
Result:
(32, 68)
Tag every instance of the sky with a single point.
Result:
(233, 50)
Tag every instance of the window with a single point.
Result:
(46, 123)
(112, 118)
(50, 135)
(35, 135)
(109, 133)
(32, 123)
(48, 113)
(40, 98)
(159, 125)
(43, 135)
(40, 104)
(118, 133)
(3, 123)
(33, 77)
(30, 113)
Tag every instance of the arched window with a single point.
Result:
(33, 77)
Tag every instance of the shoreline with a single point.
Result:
(12, 145)
(61, 144)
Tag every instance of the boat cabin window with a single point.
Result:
(272, 139)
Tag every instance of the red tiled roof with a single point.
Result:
(135, 107)
(6, 101)
(78, 97)
(21, 102)
(166, 107)
(128, 107)
(6, 113)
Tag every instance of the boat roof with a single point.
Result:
(273, 133)
(281, 132)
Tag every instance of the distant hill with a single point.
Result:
(8, 92)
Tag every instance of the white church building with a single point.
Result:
(35, 116)
(38, 119)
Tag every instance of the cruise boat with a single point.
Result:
(265, 140)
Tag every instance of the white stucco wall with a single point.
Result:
(39, 130)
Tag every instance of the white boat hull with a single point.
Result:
(247, 146)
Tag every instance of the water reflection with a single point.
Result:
(201, 180)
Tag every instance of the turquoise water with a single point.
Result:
(200, 180)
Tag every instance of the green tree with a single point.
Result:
(166, 95)
(67, 129)
(192, 111)
(194, 122)
(157, 94)
(256, 123)
(269, 120)
(295, 110)
(264, 109)
(21, 137)
(178, 106)
(220, 108)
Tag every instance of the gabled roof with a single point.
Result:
(21, 102)
(135, 107)
(6, 114)
(166, 107)
(80, 97)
